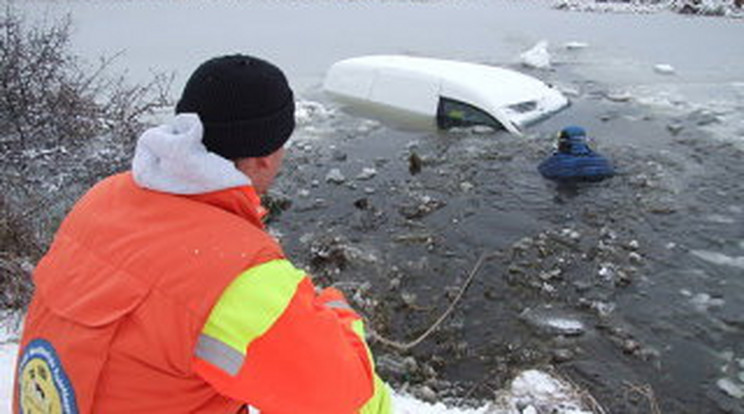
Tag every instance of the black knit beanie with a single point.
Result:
(244, 103)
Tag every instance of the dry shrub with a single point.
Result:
(64, 124)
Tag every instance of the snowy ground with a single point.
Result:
(722, 8)
(8, 351)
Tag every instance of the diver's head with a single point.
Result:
(571, 139)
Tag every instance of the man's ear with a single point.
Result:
(262, 162)
(251, 163)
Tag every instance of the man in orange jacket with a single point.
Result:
(162, 293)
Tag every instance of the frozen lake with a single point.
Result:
(305, 37)
(650, 261)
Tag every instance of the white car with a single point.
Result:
(440, 92)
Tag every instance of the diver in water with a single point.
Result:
(574, 160)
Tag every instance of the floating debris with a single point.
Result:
(664, 69)
(367, 173)
(466, 186)
(552, 322)
(339, 156)
(408, 298)
(550, 275)
(619, 96)
(335, 176)
(570, 91)
(562, 355)
(631, 346)
(571, 234)
(675, 128)
(368, 125)
(575, 45)
(537, 57)
(703, 117)
(704, 301)
(414, 163)
(606, 271)
(308, 112)
(731, 388)
(719, 258)
(362, 204)
(425, 206)
(635, 258)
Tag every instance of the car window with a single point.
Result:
(452, 113)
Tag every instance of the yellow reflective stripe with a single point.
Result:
(252, 303)
(358, 327)
(380, 403)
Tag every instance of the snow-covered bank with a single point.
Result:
(8, 353)
(7, 362)
(725, 8)
(531, 392)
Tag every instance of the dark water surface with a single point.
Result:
(652, 313)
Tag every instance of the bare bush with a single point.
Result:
(64, 125)
(729, 8)
(16, 285)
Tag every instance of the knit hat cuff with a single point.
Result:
(257, 137)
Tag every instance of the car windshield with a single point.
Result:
(452, 113)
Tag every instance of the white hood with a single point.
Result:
(172, 158)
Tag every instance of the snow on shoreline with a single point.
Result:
(7, 362)
(722, 8)
(8, 353)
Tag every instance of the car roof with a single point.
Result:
(480, 84)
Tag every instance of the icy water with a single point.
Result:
(633, 287)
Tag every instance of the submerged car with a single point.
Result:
(444, 93)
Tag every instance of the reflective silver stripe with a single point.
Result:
(219, 354)
(338, 304)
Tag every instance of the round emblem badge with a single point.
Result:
(43, 384)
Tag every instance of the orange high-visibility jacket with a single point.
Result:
(149, 302)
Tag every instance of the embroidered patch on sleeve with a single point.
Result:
(43, 385)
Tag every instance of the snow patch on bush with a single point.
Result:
(727, 8)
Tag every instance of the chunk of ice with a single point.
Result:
(575, 45)
(719, 258)
(731, 388)
(664, 69)
(537, 57)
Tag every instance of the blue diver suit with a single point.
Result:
(574, 160)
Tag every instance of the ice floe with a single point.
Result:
(537, 57)
(719, 258)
